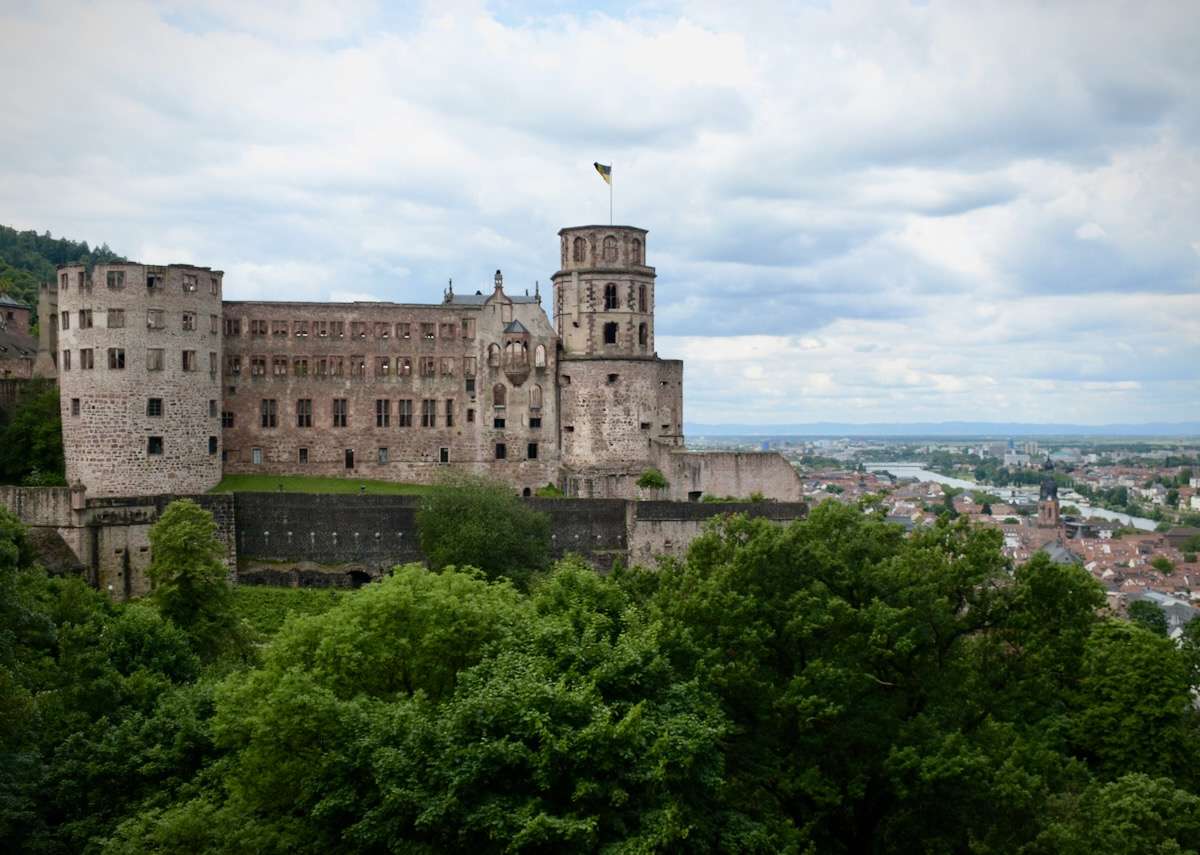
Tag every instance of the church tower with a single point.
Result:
(1048, 504)
(619, 403)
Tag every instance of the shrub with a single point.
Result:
(652, 479)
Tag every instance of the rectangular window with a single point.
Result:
(154, 280)
(212, 408)
(212, 445)
(535, 422)
(532, 451)
(446, 331)
(300, 366)
(300, 329)
(469, 385)
(339, 412)
(468, 328)
(498, 422)
(66, 360)
(267, 413)
(80, 281)
(154, 445)
(258, 366)
(610, 333)
(214, 324)
(212, 363)
(189, 321)
(337, 366)
(403, 366)
(256, 456)
(154, 319)
(302, 455)
(383, 366)
(448, 366)
(358, 366)
(383, 455)
(116, 319)
(427, 332)
(74, 402)
(383, 412)
(85, 319)
(470, 415)
(404, 413)
(321, 329)
(428, 413)
(382, 330)
(279, 366)
(87, 359)
(501, 451)
(190, 281)
(304, 413)
(154, 359)
(449, 412)
(428, 366)
(233, 366)
(404, 331)
(258, 328)
(233, 327)
(443, 455)
(189, 360)
(468, 366)
(214, 286)
(115, 279)
(358, 329)
(227, 418)
(279, 329)
(66, 321)
(337, 329)
(62, 281)
(116, 358)
(154, 407)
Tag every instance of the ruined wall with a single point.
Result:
(114, 441)
(667, 528)
(320, 352)
(693, 474)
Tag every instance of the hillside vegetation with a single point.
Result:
(28, 259)
(831, 686)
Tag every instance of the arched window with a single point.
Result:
(641, 298)
(539, 356)
(493, 355)
(610, 248)
(535, 397)
(635, 252)
(610, 333)
(577, 249)
(499, 395)
(610, 296)
(642, 334)
(516, 353)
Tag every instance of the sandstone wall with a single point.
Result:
(110, 433)
(668, 528)
(693, 474)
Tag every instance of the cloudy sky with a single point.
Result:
(859, 211)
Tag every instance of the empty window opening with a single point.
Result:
(610, 248)
(578, 248)
(612, 378)
(74, 406)
(501, 451)
(349, 458)
(610, 296)
(268, 413)
(154, 445)
(531, 451)
(212, 445)
(302, 455)
(304, 413)
(443, 455)
(610, 333)
(154, 407)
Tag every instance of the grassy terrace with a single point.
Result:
(306, 484)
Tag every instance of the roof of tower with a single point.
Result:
(602, 226)
(480, 299)
(515, 326)
(6, 300)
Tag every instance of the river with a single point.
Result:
(915, 470)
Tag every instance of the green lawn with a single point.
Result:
(306, 484)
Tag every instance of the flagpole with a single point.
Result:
(610, 195)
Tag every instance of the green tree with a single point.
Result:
(1149, 615)
(472, 522)
(31, 442)
(191, 582)
(1162, 564)
(652, 479)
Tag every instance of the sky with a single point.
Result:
(860, 212)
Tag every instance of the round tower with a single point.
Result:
(138, 358)
(604, 292)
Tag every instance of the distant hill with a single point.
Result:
(28, 259)
(946, 429)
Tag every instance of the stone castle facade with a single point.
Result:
(165, 386)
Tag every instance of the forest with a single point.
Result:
(27, 259)
(830, 686)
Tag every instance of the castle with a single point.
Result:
(165, 386)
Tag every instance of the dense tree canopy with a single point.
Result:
(27, 259)
(829, 686)
(31, 449)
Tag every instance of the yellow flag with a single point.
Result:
(605, 172)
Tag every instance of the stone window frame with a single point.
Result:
(337, 366)
(449, 416)
(156, 319)
(213, 445)
(428, 331)
(268, 413)
(299, 366)
(63, 281)
(85, 319)
(256, 455)
(279, 329)
(191, 282)
(115, 319)
(155, 281)
(75, 407)
(535, 422)
(531, 451)
(381, 456)
(446, 330)
(470, 415)
(116, 358)
(279, 365)
(358, 329)
(428, 412)
(428, 366)
(539, 356)
(187, 360)
(404, 413)
(87, 359)
(340, 413)
(635, 252)
(358, 366)
(214, 286)
(154, 408)
(233, 327)
(612, 300)
(114, 280)
(258, 328)
(468, 328)
(156, 359)
(404, 331)
(320, 329)
(66, 321)
(214, 325)
(302, 455)
(609, 250)
(499, 396)
(383, 330)
(66, 360)
(383, 366)
(404, 366)
(535, 397)
(155, 447)
(228, 419)
(579, 250)
(383, 413)
(611, 333)
(493, 355)
(448, 366)
(469, 366)
(233, 365)
(188, 322)
(258, 366)
(304, 410)
(300, 329)
(501, 451)
(643, 334)
(337, 329)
